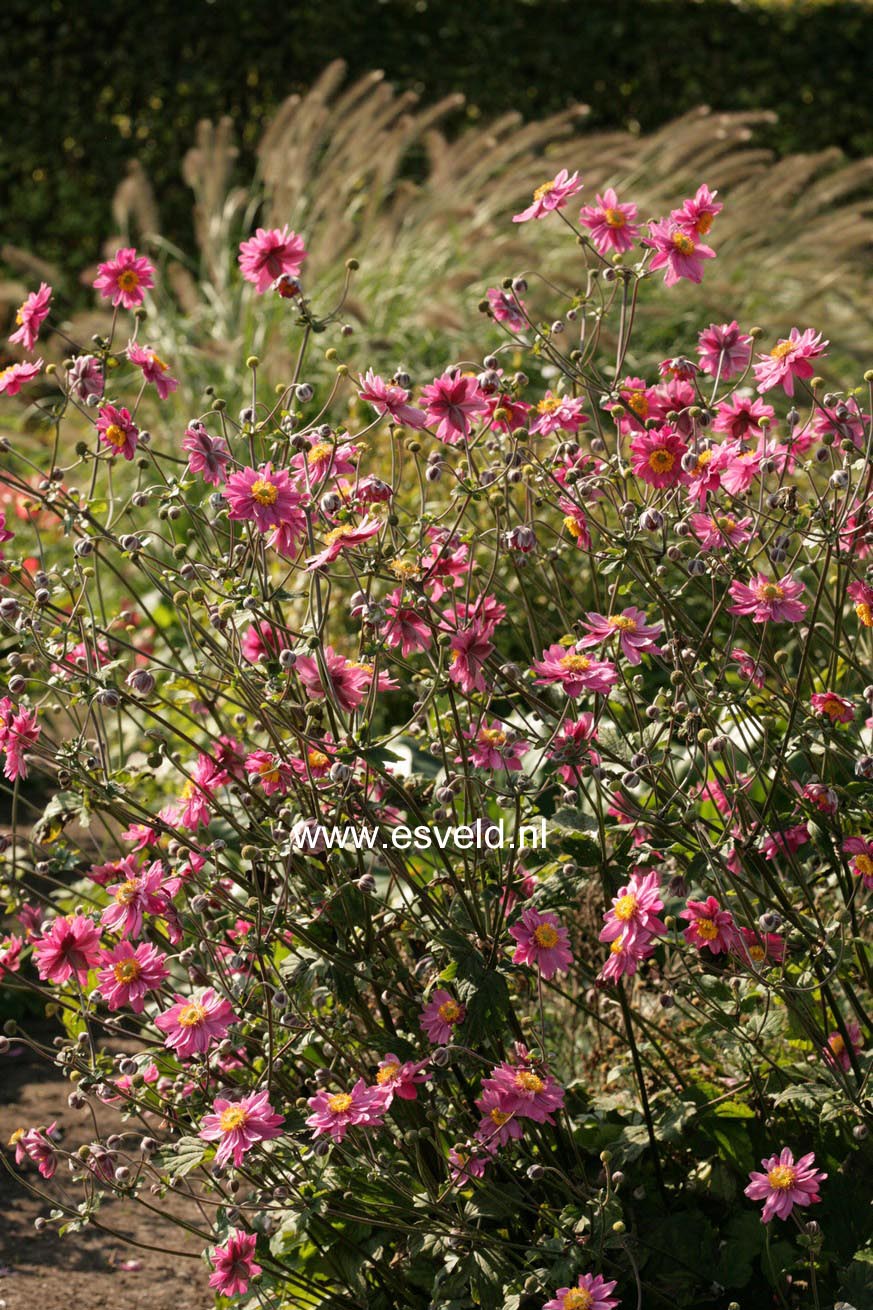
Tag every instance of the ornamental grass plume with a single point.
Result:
(453, 864)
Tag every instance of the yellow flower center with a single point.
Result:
(386, 1073)
(157, 362)
(115, 435)
(782, 349)
(16, 1137)
(574, 527)
(864, 610)
(321, 450)
(707, 930)
(404, 569)
(623, 622)
(492, 737)
(127, 971)
(769, 591)
(578, 1298)
(189, 789)
(661, 461)
(126, 892)
(19, 317)
(638, 402)
(543, 190)
(782, 1177)
(499, 1117)
(449, 1011)
(337, 534)
(340, 1103)
(757, 953)
(264, 492)
(614, 218)
(617, 946)
(864, 865)
(724, 523)
(548, 405)
(317, 759)
(128, 280)
(191, 1015)
(546, 936)
(625, 907)
(269, 771)
(836, 1044)
(575, 663)
(233, 1118)
(683, 243)
(528, 1082)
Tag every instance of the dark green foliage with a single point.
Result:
(90, 85)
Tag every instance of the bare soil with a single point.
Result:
(82, 1271)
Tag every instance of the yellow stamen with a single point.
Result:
(233, 1118)
(340, 1103)
(546, 936)
(265, 493)
(191, 1015)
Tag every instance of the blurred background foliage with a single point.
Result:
(91, 85)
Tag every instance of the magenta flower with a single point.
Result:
(192, 1024)
(207, 455)
(550, 196)
(470, 649)
(861, 848)
(576, 523)
(543, 943)
(440, 1016)
(10, 953)
(388, 398)
(785, 1184)
(140, 893)
(13, 378)
(494, 747)
(234, 1265)
(592, 1292)
(697, 214)
(635, 909)
(748, 669)
(153, 369)
(656, 456)
(128, 974)
(571, 748)
(86, 377)
(263, 495)
(833, 707)
(757, 948)
(344, 537)
(400, 1078)
(452, 402)
(70, 949)
(525, 1091)
(710, 927)
(558, 414)
(335, 1113)
(497, 1126)
(125, 278)
(677, 250)
(272, 773)
(715, 532)
(31, 317)
(862, 594)
(724, 350)
(626, 954)
(574, 671)
(740, 417)
(790, 358)
(237, 1126)
(837, 1053)
(611, 224)
(506, 308)
(405, 627)
(347, 681)
(767, 601)
(464, 1167)
(269, 254)
(38, 1145)
(117, 430)
(19, 730)
(635, 637)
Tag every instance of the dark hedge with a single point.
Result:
(88, 84)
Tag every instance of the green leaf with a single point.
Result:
(182, 1156)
